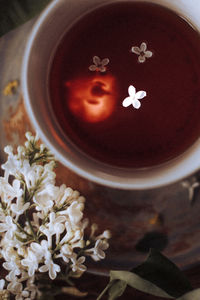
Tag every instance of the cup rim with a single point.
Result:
(152, 180)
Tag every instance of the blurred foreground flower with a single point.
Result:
(41, 226)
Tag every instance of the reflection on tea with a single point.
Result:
(140, 52)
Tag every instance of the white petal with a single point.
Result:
(105, 61)
(140, 94)
(127, 101)
(2, 283)
(92, 68)
(43, 268)
(136, 103)
(81, 260)
(131, 90)
(143, 47)
(96, 60)
(102, 69)
(136, 50)
(16, 184)
(148, 54)
(141, 59)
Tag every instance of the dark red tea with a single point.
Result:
(101, 56)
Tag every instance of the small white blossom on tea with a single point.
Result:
(134, 97)
(142, 52)
(41, 224)
(99, 65)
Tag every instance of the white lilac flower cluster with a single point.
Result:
(41, 224)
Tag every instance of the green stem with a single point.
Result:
(31, 227)
(105, 290)
(21, 229)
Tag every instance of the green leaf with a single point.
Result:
(194, 295)
(157, 276)
(117, 289)
(139, 283)
(16, 12)
(163, 273)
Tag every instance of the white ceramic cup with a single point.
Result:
(45, 36)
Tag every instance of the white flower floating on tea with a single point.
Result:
(134, 97)
(99, 65)
(142, 52)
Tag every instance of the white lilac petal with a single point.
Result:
(131, 90)
(85, 223)
(7, 192)
(96, 60)
(12, 275)
(8, 150)
(93, 68)
(50, 267)
(21, 251)
(105, 61)
(15, 287)
(140, 95)
(43, 268)
(136, 103)
(102, 69)
(32, 289)
(69, 235)
(143, 47)
(77, 264)
(41, 250)
(64, 195)
(74, 212)
(66, 249)
(24, 276)
(55, 220)
(11, 166)
(142, 58)
(75, 194)
(9, 227)
(97, 253)
(43, 202)
(127, 101)
(135, 50)
(81, 199)
(53, 270)
(24, 294)
(11, 266)
(105, 235)
(31, 262)
(17, 188)
(148, 54)
(19, 207)
(2, 283)
(48, 234)
(51, 189)
(77, 236)
(78, 244)
(16, 185)
(29, 136)
(94, 228)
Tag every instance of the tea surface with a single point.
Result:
(93, 67)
